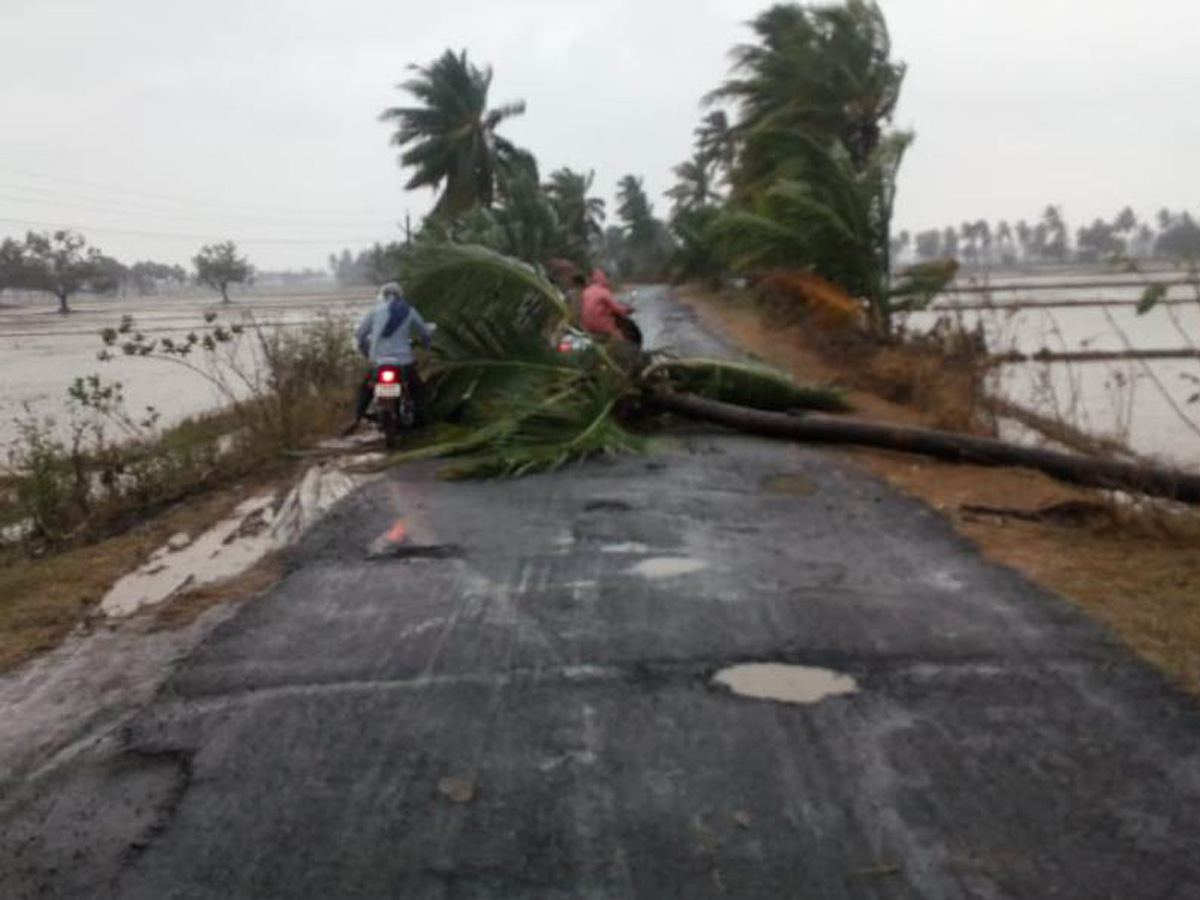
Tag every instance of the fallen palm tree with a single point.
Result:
(1082, 356)
(1109, 474)
(518, 405)
(514, 404)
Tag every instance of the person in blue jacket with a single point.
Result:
(385, 337)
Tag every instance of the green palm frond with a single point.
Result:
(746, 384)
(477, 358)
(522, 406)
(449, 138)
(452, 280)
(525, 406)
(541, 434)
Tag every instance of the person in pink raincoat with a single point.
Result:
(599, 308)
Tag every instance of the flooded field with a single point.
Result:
(1149, 405)
(42, 353)
(1144, 404)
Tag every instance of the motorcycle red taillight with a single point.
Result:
(388, 376)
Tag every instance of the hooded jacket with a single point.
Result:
(598, 308)
(385, 334)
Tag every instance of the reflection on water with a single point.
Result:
(787, 684)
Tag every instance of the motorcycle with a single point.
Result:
(575, 341)
(392, 407)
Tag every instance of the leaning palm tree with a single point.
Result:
(450, 137)
(828, 216)
(716, 141)
(823, 71)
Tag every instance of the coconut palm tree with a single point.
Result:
(635, 212)
(532, 229)
(1055, 231)
(449, 137)
(834, 220)
(822, 71)
(581, 215)
(694, 186)
(716, 142)
(698, 250)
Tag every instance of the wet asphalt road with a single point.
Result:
(519, 708)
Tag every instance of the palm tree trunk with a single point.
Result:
(1155, 481)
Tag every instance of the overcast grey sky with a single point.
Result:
(258, 121)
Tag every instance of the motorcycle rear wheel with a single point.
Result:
(389, 424)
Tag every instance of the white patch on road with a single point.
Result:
(631, 548)
(228, 549)
(788, 684)
(668, 567)
(944, 580)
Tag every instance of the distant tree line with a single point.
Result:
(1172, 236)
(368, 267)
(62, 264)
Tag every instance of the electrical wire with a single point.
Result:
(86, 229)
(41, 197)
(167, 198)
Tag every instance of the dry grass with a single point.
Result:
(1136, 568)
(937, 383)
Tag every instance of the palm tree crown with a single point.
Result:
(716, 141)
(635, 211)
(581, 216)
(450, 137)
(824, 71)
(694, 187)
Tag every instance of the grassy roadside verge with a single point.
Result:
(1138, 570)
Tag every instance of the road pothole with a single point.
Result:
(605, 505)
(785, 683)
(417, 551)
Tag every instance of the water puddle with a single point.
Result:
(668, 567)
(257, 527)
(787, 684)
